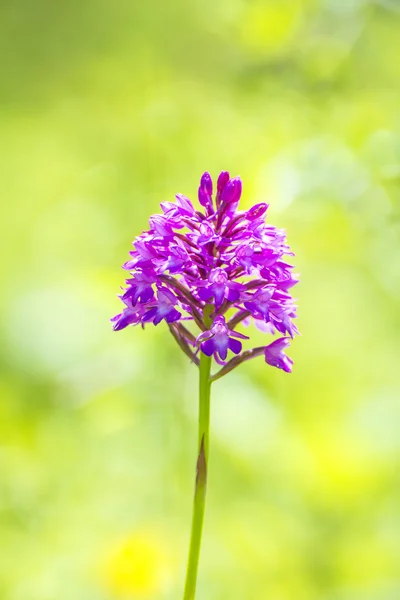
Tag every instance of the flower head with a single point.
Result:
(218, 267)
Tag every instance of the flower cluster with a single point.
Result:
(217, 267)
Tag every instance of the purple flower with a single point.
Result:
(219, 338)
(205, 234)
(220, 287)
(174, 260)
(275, 356)
(164, 308)
(131, 315)
(140, 287)
(182, 208)
(161, 225)
(200, 265)
(259, 304)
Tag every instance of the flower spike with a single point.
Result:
(199, 266)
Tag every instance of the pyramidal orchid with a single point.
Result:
(211, 269)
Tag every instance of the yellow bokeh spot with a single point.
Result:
(270, 25)
(137, 567)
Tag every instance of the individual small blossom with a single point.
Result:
(219, 288)
(219, 338)
(259, 303)
(204, 235)
(131, 315)
(198, 265)
(164, 309)
(140, 287)
(162, 226)
(282, 312)
(143, 255)
(174, 260)
(244, 258)
(275, 355)
(279, 273)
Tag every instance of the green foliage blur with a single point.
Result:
(108, 108)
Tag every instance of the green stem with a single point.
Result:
(201, 478)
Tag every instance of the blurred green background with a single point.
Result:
(108, 108)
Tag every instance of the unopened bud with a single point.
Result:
(206, 183)
(232, 191)
(222, 181)
(256, 211)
